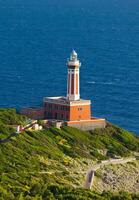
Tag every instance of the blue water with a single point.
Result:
(36, 38)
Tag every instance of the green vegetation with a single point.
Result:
(116, 140)
(56, 192)
(35, 165)
(59, 192)
(9, 117)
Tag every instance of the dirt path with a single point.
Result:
(91, 172)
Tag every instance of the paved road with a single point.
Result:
(91, 172)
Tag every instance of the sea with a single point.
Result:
(37, 37)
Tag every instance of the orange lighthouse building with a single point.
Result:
(71, 109)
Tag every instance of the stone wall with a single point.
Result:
(33, 113)
(89, 125)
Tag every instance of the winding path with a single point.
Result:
(91, 172)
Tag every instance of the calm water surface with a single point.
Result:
(36, 38)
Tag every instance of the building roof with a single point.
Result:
(64, 101)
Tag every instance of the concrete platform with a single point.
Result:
(91, 124)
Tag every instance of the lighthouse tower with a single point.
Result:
(68, 110)
(73, 82)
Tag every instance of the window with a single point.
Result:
(67, 108)
(50, 106)
(79, 109)
(56, 107)
(56, 116)
(49, 115)
(62, 107)
(45, 105)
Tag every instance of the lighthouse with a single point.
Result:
(68, 110)
(73, 80)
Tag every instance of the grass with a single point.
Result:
(57, 153)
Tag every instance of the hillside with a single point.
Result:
(52, 163)
(9, 117)
(115, 177)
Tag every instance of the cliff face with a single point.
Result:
(34, 160)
